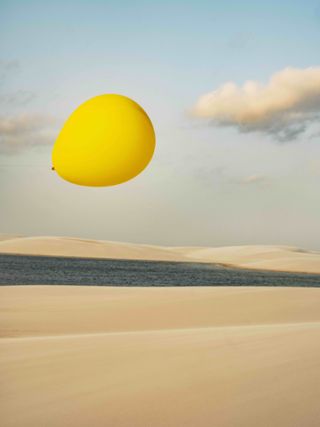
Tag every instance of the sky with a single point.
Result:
(233, 91)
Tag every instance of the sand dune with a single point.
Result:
(9, 236)
(161, 357)
(68, 246)
(268, 257)
(31, 310)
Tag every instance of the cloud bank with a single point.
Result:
(282, 108)
(20, 131)
(25, 131)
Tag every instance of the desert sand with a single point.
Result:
(266, 257)
(160, 357)
(73, 247)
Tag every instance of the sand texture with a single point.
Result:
(169, 357)
(267, 257)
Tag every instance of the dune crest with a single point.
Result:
(87, 248)
(267, 257)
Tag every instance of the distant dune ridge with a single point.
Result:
(268, 257)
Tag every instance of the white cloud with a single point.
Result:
(282, 108)
(25, 131)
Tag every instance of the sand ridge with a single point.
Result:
(267, 257)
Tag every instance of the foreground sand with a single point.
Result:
(169, 357)
(267, 257)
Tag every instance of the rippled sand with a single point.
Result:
(90, 356)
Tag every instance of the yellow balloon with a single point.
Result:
(108, 140)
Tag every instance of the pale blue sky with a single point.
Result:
(164, 54)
